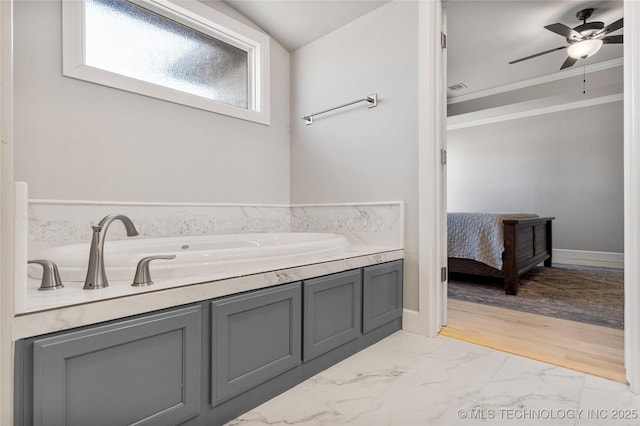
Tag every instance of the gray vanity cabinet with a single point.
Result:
(382, 294)
(332, 312)
(207, 363)
(139, 371)
(255, 337)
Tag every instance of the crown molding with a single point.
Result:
(568, 73)
(505, 115)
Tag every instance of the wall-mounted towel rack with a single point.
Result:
(372, 100)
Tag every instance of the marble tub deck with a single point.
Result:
(408, 379)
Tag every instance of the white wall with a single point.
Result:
(567, 164)
(359, 154)
(77, 140)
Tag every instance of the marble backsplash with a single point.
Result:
(51, 222)
(372, 224)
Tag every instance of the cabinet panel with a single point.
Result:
(382, 294)
(139, 371)
(332, 312)
(256, 336)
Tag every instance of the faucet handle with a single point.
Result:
(50, 276)
(143, 275)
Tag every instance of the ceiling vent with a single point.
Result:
(456, 87)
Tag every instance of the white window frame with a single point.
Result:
(194, 15)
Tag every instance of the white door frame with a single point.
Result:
(442, 184)
(632, 194)
(430, 130)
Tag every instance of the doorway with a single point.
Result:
(430, 305)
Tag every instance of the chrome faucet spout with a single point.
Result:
(96, 275)
(128, 224)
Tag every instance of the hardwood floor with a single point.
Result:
(578, 346)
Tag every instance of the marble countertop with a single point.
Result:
(40, 312)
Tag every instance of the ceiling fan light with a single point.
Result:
(585, 48)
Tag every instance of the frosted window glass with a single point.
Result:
(127, 39)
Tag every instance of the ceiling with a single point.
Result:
(294, 23)
(483, 35)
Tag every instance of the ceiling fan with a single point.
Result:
(584, 40)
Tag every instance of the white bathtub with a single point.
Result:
(195, 255)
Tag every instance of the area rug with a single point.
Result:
(577, 293)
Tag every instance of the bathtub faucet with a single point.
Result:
(96, 276)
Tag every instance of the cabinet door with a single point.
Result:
(139, 371)
(256, 336)
(382, 294)
(332, 312)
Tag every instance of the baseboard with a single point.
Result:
(411, 321)
(589, 258)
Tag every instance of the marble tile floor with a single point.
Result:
(408, 379)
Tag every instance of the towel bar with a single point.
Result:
(372, 100)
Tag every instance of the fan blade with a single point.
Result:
(537, 54)
(564, 31)
(612, 39)
(568, 62)
(612, 27)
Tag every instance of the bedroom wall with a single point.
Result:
(566, 164)
(359, 154)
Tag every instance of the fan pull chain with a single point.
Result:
(584, 80)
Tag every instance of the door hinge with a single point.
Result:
(443, 157)
(443, 40)
(443, 274)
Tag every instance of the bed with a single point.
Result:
(498, 245)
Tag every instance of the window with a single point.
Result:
(183, 52)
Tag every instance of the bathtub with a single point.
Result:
(195, 255)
